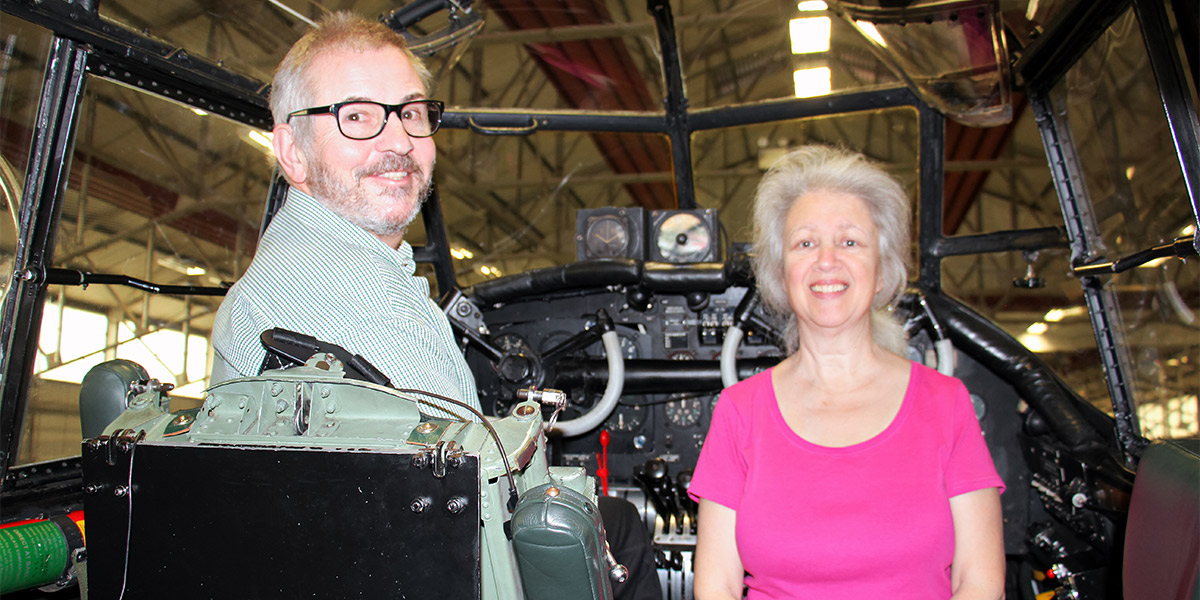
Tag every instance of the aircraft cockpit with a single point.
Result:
(588, 240)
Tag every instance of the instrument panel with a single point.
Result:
(665, 410)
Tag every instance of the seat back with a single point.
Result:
(104, 394)
(1162, 538)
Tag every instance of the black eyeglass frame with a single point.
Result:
(388, 109)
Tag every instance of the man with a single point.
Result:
(352, 136)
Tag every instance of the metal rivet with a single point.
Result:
(121, 491)
(552, 491)
(426, 427)
(419, 504)
(456, 504)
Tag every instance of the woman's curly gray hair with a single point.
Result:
(822, 168)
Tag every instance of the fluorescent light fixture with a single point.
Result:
(869, 30)
(461, 253)
(810, 34)
(812, 82)
(1056, 315)
(811, 5)
(1037, 328)
(186, 266)
(1035, 343)
(260, 138)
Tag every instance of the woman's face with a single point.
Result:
(831, 259)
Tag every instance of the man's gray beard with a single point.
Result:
(352, 204)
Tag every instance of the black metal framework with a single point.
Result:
(86, 42)
(1082, 230)
(1172, 86)
(41, 205)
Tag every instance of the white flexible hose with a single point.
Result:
(733, 338)
(612, 391)
(945, 357)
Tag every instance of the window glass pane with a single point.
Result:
(158, 192)
(1052, 321)
(728, 163)
(1134, 198)
(510, 201)
(996, 179)
(752, 52)
(23, 51)
(544, 54)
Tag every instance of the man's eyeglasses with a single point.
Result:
(364, 119)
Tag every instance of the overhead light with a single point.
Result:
(489, 270)
(1055, 315)
(810, 34)
(1037, 328)
(461, 253)
(260, 138)
(1186, 231)
(868, 29)
(185, 266)
(812, 82)
(811, 5)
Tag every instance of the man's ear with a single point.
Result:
(289, 155)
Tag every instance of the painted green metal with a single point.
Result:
(314, 407)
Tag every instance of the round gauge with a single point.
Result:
(606, 237)
(683, 238)
(685, 410)
(627, 418)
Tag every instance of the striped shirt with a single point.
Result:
(318, 274)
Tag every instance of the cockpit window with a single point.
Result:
(510, 203)
(729, 162)
(23, 50)
(160, 192)
(1135, 199)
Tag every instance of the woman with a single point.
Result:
(846, 471)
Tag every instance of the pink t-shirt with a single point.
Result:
(870, 520)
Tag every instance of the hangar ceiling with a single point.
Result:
(158, 187)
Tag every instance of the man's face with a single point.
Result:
(377, 184)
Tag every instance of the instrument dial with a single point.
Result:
(607, 237)
(626, 418)
(685, 410)
(683, 238)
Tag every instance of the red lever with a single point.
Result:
(602, 460)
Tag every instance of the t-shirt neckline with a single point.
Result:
(882, 436)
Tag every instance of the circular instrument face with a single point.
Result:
(684, 412)
(683, 238)
(627, 418)
(607, 237)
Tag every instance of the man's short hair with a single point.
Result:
(292, 90)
